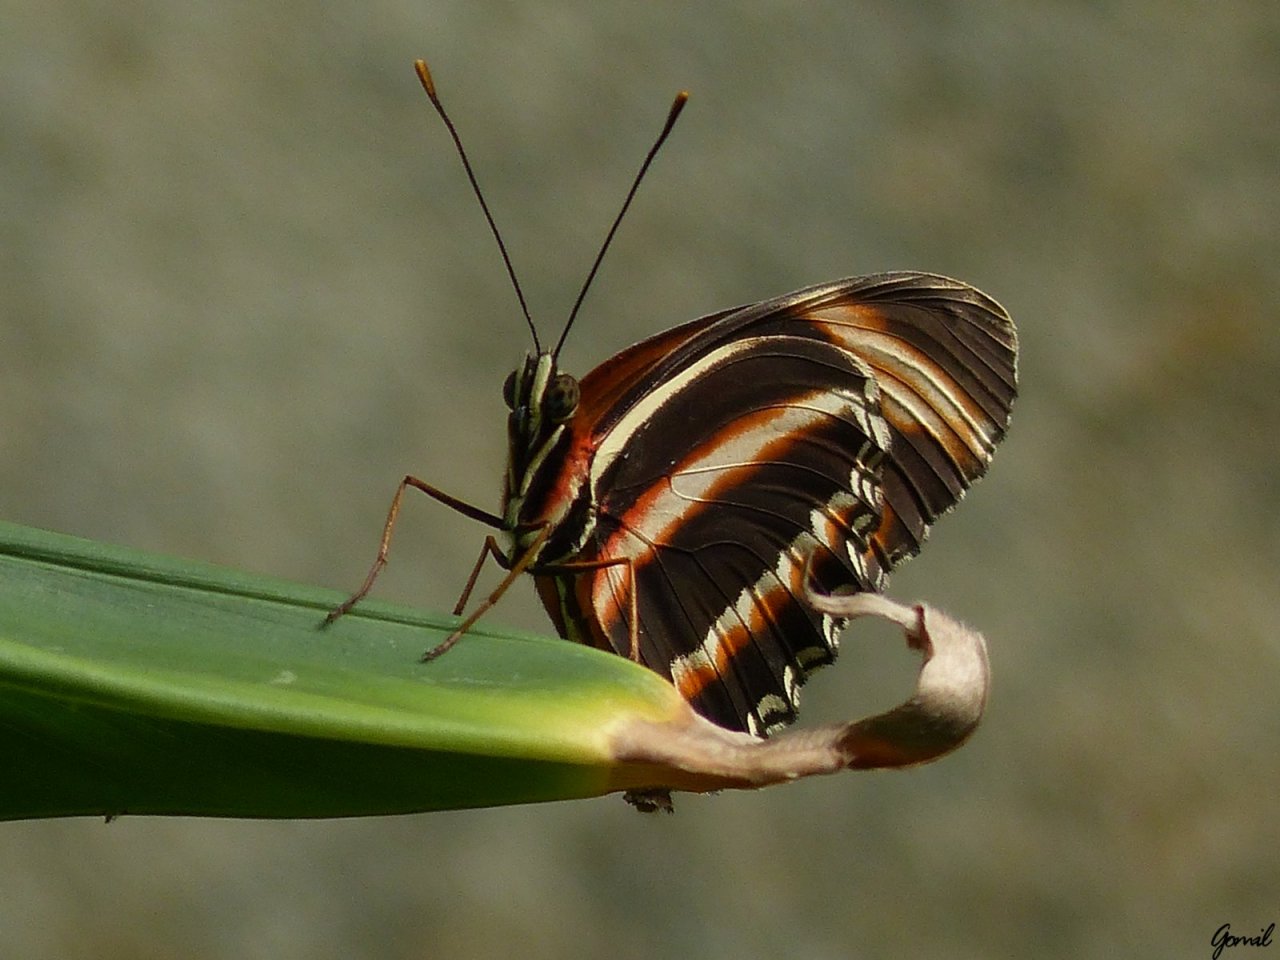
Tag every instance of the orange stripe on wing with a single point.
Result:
(923, 390)
(655, 516)
(706, 472)
(695, 671)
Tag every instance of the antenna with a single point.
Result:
(427, 84)
(681, 99)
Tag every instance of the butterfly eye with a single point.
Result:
(509, 390)
(562, 398)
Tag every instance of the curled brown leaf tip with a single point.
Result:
(951, 689)
(951, 693)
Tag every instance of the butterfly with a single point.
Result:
(674, 503)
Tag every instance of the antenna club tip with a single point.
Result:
(678, 104)
(424, 74)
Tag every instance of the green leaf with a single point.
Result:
(131, 683)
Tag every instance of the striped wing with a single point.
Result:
(837, 422)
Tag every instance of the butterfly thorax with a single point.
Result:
(542, 402)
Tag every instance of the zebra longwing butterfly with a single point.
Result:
(671, 503)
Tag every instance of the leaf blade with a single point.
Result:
(144, 684)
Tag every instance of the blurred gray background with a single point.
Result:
(245, 288)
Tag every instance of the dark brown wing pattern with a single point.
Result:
(839, 421)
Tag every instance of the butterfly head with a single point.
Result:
(542, 401)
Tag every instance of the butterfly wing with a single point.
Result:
(714, 460)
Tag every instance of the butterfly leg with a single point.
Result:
(489, 549)
(521, 564)
(466, 509)
(633, 625)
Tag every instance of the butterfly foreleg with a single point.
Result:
(384, 545)
(514, 569)
(489, 549)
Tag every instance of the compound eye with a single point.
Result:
(562, 398)
(509, 390)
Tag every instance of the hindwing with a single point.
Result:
(835, 423)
